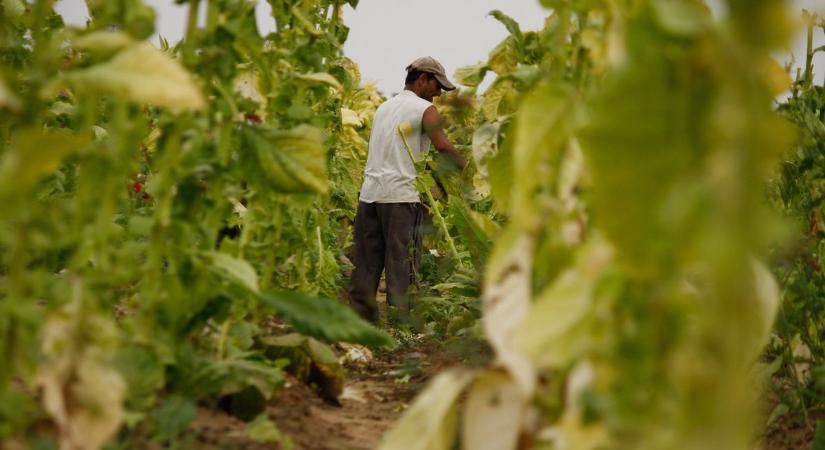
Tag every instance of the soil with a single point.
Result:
(375, 395)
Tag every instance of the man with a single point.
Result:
(388, 220)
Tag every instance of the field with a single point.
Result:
(633, 258)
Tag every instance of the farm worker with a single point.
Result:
(389, 216)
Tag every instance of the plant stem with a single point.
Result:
(434, 205)
(809, 56)
(192, 20)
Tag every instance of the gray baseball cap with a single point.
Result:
(431, 66)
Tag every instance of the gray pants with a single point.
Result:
(387, 238)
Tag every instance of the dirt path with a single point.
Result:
(375, 395)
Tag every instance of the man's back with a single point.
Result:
(389, 172)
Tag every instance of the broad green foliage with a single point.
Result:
(155, 198)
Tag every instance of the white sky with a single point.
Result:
(386, 35)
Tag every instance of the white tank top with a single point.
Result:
(389, 176)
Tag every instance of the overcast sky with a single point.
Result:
(386, 35)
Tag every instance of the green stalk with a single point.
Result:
(192, 20)
(809, 58)
(222, 341)
(442, 224)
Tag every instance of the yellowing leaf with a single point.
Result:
(235, 270)
(430, 423)
(506, 303)
(349, 118)
(471, 76)
(246, 84)
(503, 58)
(141, 74)
(83, 396)
(485, 145)
(493, 98)
(558, 328)
(493, 413)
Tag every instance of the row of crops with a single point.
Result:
(637, 215)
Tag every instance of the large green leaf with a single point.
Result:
(325, 319)
(292, 161)
(234, 269)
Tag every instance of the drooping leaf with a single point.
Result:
(561, 325)
(471, 76)
(507, 303)
(310, 361)
(493, 413)
(325, 319)
(430, 423)
(139, 73)
(320, 78)
(504, 59)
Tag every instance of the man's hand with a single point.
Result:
(433, 128)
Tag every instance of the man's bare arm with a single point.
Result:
(433, 128)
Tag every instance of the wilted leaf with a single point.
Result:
(485, 145)
(83, 396)
(507, 303)
(141, 74)
(559, 328)
(430, 422)
(310, 361)
(325, 319)
(235, 270)
(349, 118)
(494, 97)
(493, 413)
